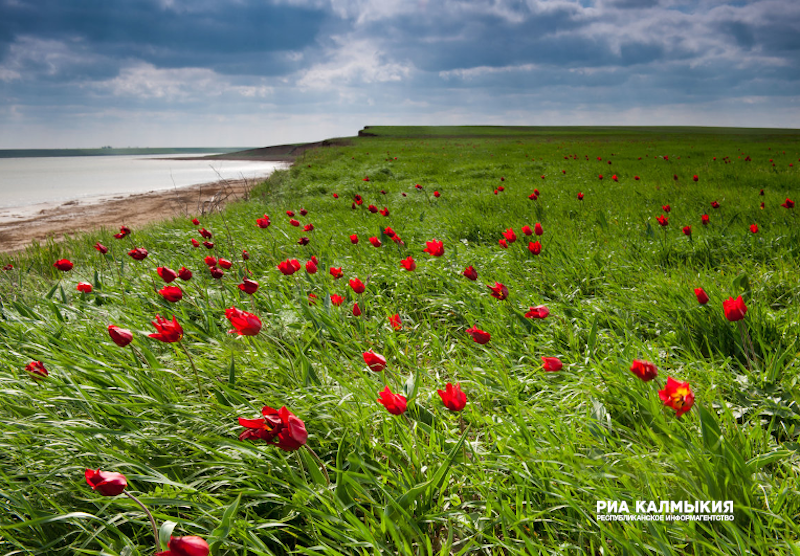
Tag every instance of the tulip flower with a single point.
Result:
(186, 546)
(677, 395)
(375, 361)
(663, 220)
(384, 211)
(303, 241)
(687, 231)
(754, 228)
(666, 208)
(537, 229)
(311, 267)
(645, 370)
(308, 228)
(166, 274)
(312, 299)
(580, 196)
(100, 247)
(106, 483)
(527, 230)
(714, 204)
(294, 222)
(167, 331)
(394, 320)
(358, 200)
(434, 248)
(375, 241)
(336, 272)
(195, 243)
(478, 335)
(64, 265)
(695, 178)
(702, 296)
(394, 403)
(336, 299)
(185, 274)
(248, 286)
(356, 310)
(551, 364)
(470, 273)
(139, 254)
(210, 261)
(225, 263)
(172, 294)
(263, 222)
(499, 291)
(205, 233)
(510, 236)
(535, 247)
(289, 267)
(409, 263)
(788, 203)
(452, 397)
(503, 243)
(280, 428)
(84, 287)
(538, 312)
(120, 336)
(215, 272)
(244, 323)
(357, 285)
(195, 221)
(704, 219)
(123, 232)
(289, 213)
(735, 309)
(436, 194)
(37, 370)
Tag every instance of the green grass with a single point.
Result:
(521, 470)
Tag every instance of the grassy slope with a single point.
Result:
(541, 449)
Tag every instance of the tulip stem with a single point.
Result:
(320, 462)
(747, 345)
(149, 515)
(191, 362)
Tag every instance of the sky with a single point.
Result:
(203, 73)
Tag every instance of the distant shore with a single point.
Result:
(72, 217)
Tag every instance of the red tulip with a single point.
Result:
(687, 230)
(84, 287)
(195, 221)
(336, 272)
(263, 222)
(335, 195)
(248, 286)
(372, 208)
(8, 267)
(662, 220)
(675, 177)
(384, 211)
(308, 228)
(185, 274)
(37, 370)
(167, 331)
(120, 336)
(186, 546)
(677, 395)
(171, 293)
(140, 253)
(282, 425)
(375, 361)
(63, 265)
(434, 248)
(452, 397)
(788, 203)
(645, 370)
(704, 219)
(735, 309)
(503, 243)
(312, 299)
(470, 273)
(702, 296)
(754, 228)
(478, 335)
(614, 177)
(600, 176)
(290, 213)
(538, 312)
(409, 263)
(510, 236)
(354, 239)
(356, 310)
(499, 291)
(208, 244)
(195, 243)
(636, 178)
(714, 204)
(100, 247)
(245, 255)
(336, 299)
(552, 364)
(205, 233)
(580, 196)
(357, 285)
(695, 178)
(666, 208)
(303, 212)
(294, 222)
(166, 274)
(358, 200)
(311, 267)
(394, 403)
(527, 230)
(394, 320)
(210, 261)
(215, 272)
(375, 241)
(436, 194)
(535, 247)
(123, 231)
(537, 229)
(303, 241)
(106, 483)
(244, 323)
(289, 267)
(366, 178)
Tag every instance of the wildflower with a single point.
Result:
(185, 274)
(478, 335)
(394, 403)
(215, 272)
(308, 228)
(167, 331)
(735, 309)
(436, 194)
(208, 244)
(452, 397)
(248, 286)
(263, 222)
(384, 211)
(336, 299)
(37, 370)
(537, 229)
(754, 228)
(580, 196)
(702, 296)
(409, 263)
(106, 483)
(645, 370)
(139, 254)
(503, 243)
(499, 291)
(375, 361)
(123, 232)
(687, 230)
(63, 265)
(303, 241)
(375, 241)
(171, 293)
(434, 248)
(336, 272)
(535, 247)
(538, 312)
(666, 208)
(311, 267)
(552, 364)
(100, 247)
(195, 243)
(510, 236)
(677, 395)
(788, 203)
(195, 221)
(166, 274)
(120, 336)
(527, 230)
(356, 310)
(470, 273)
(704, 219)
(714, 204)
(210, 261)
(186, 546)
(289, 267)
(84, 287)
(245, 324)
(205, 233)
(281, 424)
(294, 222)
(357, 285)
(394, 320)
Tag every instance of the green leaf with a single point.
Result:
(49, 295)
(221, 532)
(232, 371)
(164, 533)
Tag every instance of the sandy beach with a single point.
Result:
(73, 217)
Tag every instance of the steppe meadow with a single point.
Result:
(423, 341)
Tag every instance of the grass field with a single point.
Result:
(522, 468)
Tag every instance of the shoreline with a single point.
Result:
(56, 220)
